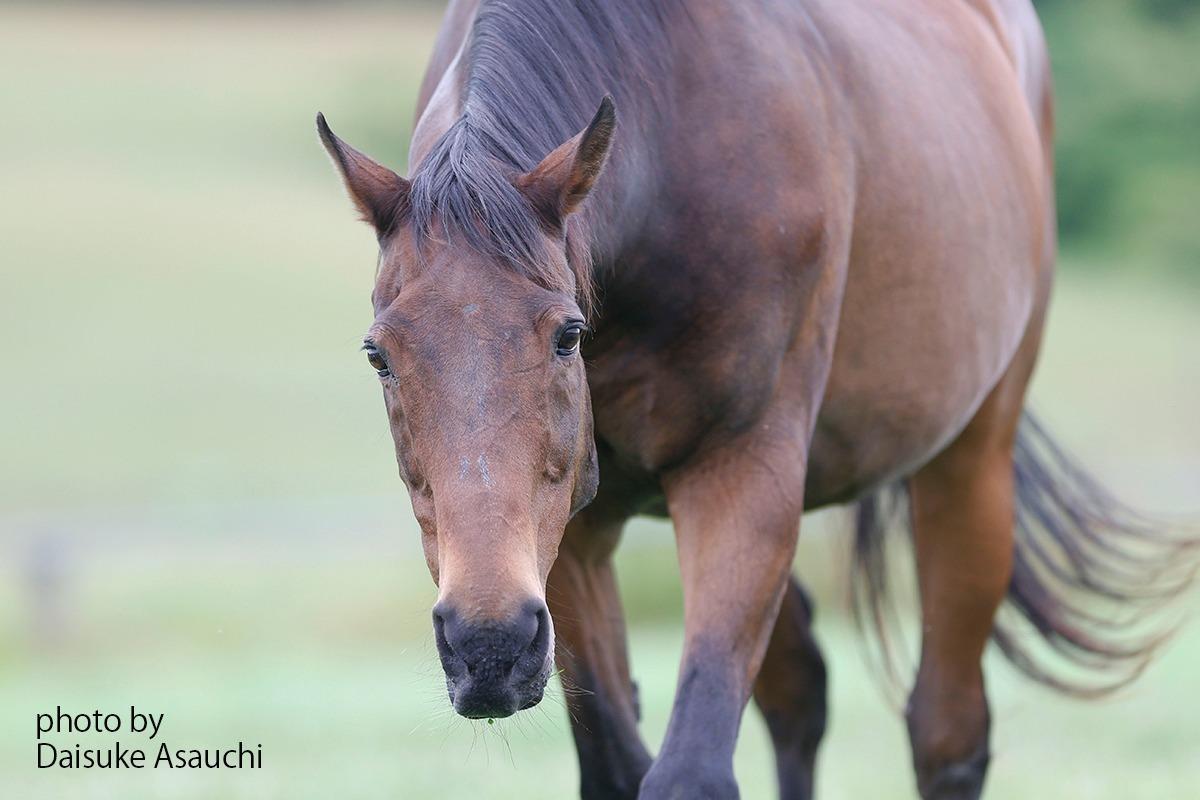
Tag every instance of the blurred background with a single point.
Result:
(199, 507)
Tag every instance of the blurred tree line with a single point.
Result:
(1128, 86)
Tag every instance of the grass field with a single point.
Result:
(196, 456)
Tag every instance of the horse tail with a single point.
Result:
(1089, 602)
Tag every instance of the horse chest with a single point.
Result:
(655, 406)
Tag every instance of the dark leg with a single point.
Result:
(591, 652)
(962, 514)
(736, 518)
(790, 693)
(962, 509)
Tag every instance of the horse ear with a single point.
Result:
(559, 184)
(378, 192)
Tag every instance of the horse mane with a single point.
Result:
(535, 72)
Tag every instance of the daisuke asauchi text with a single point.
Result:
(118, 755)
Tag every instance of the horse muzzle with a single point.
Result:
(495, 668)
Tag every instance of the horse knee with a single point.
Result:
(793, 700)
(791, 695)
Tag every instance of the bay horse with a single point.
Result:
(810, 262)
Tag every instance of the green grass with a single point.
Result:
(331, 669)
(189, 420)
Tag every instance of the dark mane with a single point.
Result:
(534, 74)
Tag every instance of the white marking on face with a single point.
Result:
(481, 462)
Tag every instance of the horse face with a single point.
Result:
(489, 408)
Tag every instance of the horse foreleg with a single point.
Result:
(736, 517)
(591, 652)
(790, 693)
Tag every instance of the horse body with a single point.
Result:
(947, 263)
(858, 216)
(822, 244)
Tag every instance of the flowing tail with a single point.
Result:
(1092, 579)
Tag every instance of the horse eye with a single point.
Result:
(378, 362)
(568, 339)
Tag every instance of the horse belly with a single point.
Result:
(901, 388)
(947, 263)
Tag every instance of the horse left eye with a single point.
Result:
(568, 340)
(377, 361)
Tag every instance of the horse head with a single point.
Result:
(476, 342)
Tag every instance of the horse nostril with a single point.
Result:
(527, 626)
(443, 622)
(541, 637)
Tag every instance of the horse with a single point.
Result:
(729, 263)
